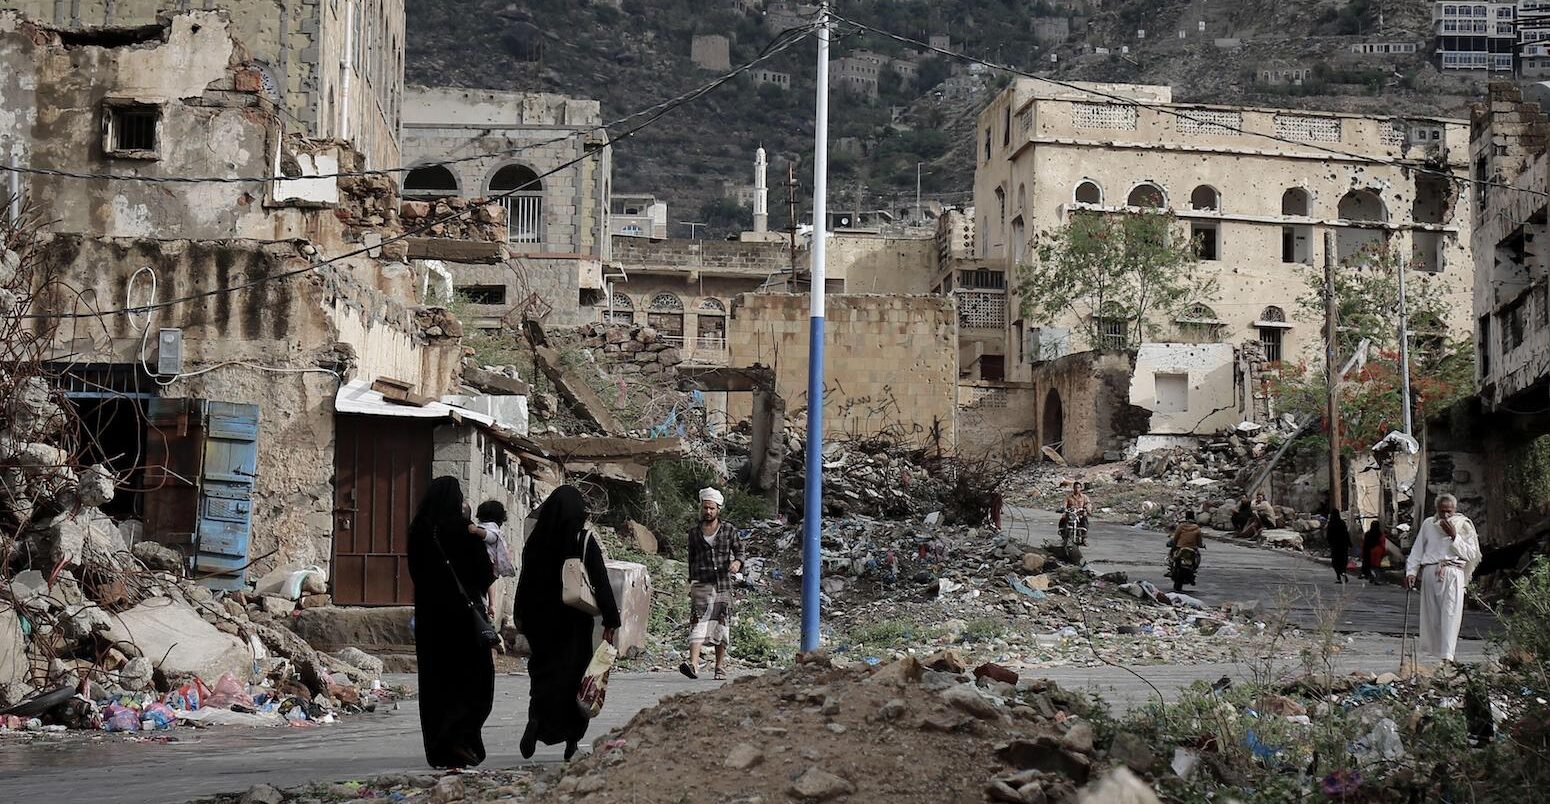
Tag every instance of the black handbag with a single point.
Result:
(483, 628)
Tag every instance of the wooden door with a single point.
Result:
(382, 467)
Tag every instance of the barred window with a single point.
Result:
(978, 309)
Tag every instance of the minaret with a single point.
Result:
(761, 193)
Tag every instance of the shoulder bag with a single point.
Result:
(575, 584)
(487, 635)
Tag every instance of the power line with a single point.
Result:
(663, 109)
(1164, 109)
(775, 47)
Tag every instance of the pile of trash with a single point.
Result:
(1397, 734)
(121, 641)
(931, 725)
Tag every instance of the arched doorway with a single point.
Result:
(1053, 434)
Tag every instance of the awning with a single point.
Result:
(357, 397)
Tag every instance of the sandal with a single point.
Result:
(686, 669)
(721, 674)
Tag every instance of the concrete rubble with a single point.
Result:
(136, 648)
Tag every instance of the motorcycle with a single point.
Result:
(1183, 564)
(1073, 534)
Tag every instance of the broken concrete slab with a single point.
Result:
(176, 639)
(584, 401)
(635, 450)
(642, 536)
(491, 382)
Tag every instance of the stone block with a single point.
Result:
(332, 628)
(172, 634)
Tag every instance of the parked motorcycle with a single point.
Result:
(1183, 564)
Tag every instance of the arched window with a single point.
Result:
(1295, 202)
(1363, 205)
(623, 312)
(1022, 197)
(1205, 197)
(1271, 326)
(666, 316)
(711, 325)
(1199, 324)
(523, 196)
(1019, 240)
(1088, 192)
(431, 180)
(1147, 195)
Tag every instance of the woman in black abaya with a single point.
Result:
(560, 636)
(457, 670)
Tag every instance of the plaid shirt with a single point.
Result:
(711, 564)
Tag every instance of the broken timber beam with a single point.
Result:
(584, 401)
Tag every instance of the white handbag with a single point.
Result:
(576, 585)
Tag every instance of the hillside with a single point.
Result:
(637, 53)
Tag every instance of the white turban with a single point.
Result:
(712, 495)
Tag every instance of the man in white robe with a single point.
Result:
(1443, 558)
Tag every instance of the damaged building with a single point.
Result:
(234, 348)
(1490, 450)
(1256, 190)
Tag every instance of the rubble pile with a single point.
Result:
(1476, 734)
(633, 349)
(119, 641)
(401, 788)
(485, 223)
(863, 478)
(437, 322)
(796, 734)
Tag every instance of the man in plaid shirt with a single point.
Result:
(715, 555)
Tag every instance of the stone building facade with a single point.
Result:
(1258, 205)
(224, 319)
(336, 67)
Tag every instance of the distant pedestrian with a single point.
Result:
(456, 667)
(1242, 516)
(1374, 548)
(559, 636)
(1444, 556)
(715, 555)
(1338, 534)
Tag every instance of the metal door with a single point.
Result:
(174, 459)
(226, 494)
(382, 467)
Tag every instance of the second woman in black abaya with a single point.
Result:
(559, 636)
(456, 670)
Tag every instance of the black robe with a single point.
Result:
(560, 637)
(456, 671)
(1339, 537)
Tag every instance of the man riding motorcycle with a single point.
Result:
(1077, 504)
(1184, 552)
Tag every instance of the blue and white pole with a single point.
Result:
(812, 501)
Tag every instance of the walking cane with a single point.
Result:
(1404, 633)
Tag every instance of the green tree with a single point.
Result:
(725, 216)
(1118, 274)
(1442, 366)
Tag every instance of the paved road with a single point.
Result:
(1234, 572)
(203, 763)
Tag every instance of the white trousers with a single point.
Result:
(1442, 610)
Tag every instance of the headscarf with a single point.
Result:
(558, 520)
(442, 504)
(712, 495)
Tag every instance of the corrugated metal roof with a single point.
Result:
(357, 397)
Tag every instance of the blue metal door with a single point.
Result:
(226, 494)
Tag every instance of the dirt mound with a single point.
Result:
(901, 733)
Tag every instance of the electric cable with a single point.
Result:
(1164, 109)
(662, 111)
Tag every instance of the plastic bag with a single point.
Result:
(594, 685)
(190, 696)
(120, 718)
(229, 692)
(160, 715)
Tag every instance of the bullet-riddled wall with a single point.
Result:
(891, 361)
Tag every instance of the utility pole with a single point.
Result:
(918, 216)
(694, 226)
(812, 500)
(1331, 373)
(1404, 354)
